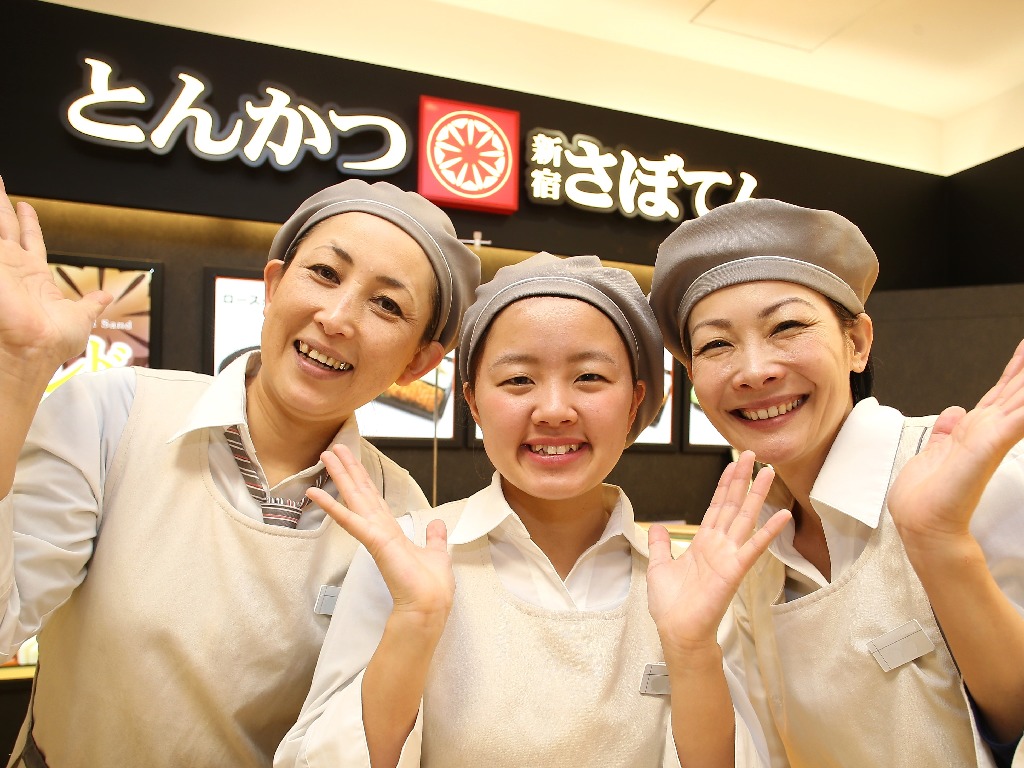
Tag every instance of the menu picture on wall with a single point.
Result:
(127, 332)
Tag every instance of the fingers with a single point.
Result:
(8, 219)
(354, 484)
(758, 543)
(750, 508)
(718, 498)
(31, 233)
(736, 493)
(1010, 382)
(357, 490)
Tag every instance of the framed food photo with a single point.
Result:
(700, 435)
(128, 332)
(234, 299)
(410, 414)
(663, 432)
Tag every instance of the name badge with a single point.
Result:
(655, 680)
(901, 645)
(326, 600)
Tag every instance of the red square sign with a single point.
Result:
(469, 155)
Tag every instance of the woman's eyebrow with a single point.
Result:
(346, 257)
(773, 308)
(520, 358)
(763, 314)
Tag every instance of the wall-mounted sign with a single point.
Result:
(588, 175)
(275, 126)
(469, 155)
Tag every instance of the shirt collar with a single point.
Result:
(854, 479)
(488, 509)
(223, 404)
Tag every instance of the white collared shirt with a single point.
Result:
(849, 496)
(599, 580)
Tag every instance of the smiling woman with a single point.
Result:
(563, 368)
(159, 518)
(902, 560)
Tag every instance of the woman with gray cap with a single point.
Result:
(153, 525)
(885, 626)
(512, 628)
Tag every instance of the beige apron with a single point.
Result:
(831, 701)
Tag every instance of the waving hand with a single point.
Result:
(419, 578)
(39, 328)
(689, 596)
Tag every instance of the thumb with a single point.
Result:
(94, 303)
(946, 423)
(660, 545)
(437, 536)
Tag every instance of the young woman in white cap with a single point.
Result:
(514, 626)
(149, 524)
(885, 626)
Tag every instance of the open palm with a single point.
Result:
(688, 596)
(420, 579)
(38, 325)
(937, 491)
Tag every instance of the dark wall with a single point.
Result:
(940, 347)
(896, 208)
(984, 205)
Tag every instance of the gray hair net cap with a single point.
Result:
(456, 267)
(613, 291)
(755, 240)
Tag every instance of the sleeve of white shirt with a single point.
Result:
(746, 752)
(329, 732)
(48, 521)
(750, 750)
(996, 526)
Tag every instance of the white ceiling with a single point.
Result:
(931, 85)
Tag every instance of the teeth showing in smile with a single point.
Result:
(775, 410)
(554, 450)
(323, 359)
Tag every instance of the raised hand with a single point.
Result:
(419, 578)
(39, 328)
(688, 596)
(934, 496)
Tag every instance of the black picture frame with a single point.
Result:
(380, 421)
(133, 320)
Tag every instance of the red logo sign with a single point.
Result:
(469, 155)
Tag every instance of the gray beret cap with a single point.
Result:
(456, 267)
(755, 240)
(613, 291)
